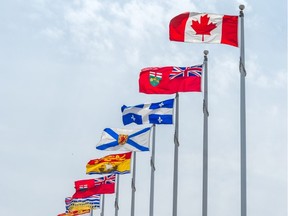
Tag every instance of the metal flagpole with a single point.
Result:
(205, 137)
(116, 196)
(102, 204)
(152, 163)
(242, 114)
(91, 211)
(133, 185)
(176, 146)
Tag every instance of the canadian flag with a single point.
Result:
(204, 28)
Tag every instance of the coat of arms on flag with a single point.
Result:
(155, 78)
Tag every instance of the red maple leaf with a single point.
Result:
(202, 27)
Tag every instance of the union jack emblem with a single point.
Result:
(110, 179)
(194, 71)
(178, 72)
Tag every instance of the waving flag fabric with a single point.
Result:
(80, 210)
(114, 163)
(92, 202)
(89, 187)
(170, 80)
(66, 214)
(204, 28)
(154, 113)
(114, 139)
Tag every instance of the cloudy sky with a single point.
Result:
(67, 67)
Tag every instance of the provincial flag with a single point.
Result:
(204, 28)
(173, 80)
(66, 214)
(80, 210)
(88, 187)
(114, 163)
(154, 113)
(92, 202)
(114, 139)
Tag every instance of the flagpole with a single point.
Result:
(176, 146)
(102, 205)
(133, 188)
(116, 196)
(91, 211)
(205, 137)
(242, 114)
(152, 164)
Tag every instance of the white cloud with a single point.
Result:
(263, 77)
(53, 33)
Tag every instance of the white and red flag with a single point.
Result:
(195, 27)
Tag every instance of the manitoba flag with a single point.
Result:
(204, 28)
(89, 187)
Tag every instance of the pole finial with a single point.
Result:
(241, 7)
(206, 52)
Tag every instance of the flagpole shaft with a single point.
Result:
(102, 204)
(176, 146)
(133, 185)
(205, 138)
(242, 115)
(117, 195)
(152, 163)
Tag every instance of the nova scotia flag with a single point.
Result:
(122, 139)
(154, 113)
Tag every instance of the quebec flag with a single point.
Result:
(154, 113)
(122, 139)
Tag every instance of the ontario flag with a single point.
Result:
(204, 28)
(170, 79)
(88, 187)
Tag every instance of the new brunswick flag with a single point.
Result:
(114, 163)
(66, 214)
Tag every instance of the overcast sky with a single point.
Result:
(67, 67)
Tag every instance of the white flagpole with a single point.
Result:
(176, 146)
(91, 211)
(152, 164)
(117, 195)
(242, 114)
(102, 205)
(205, 137)
(133, 185)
